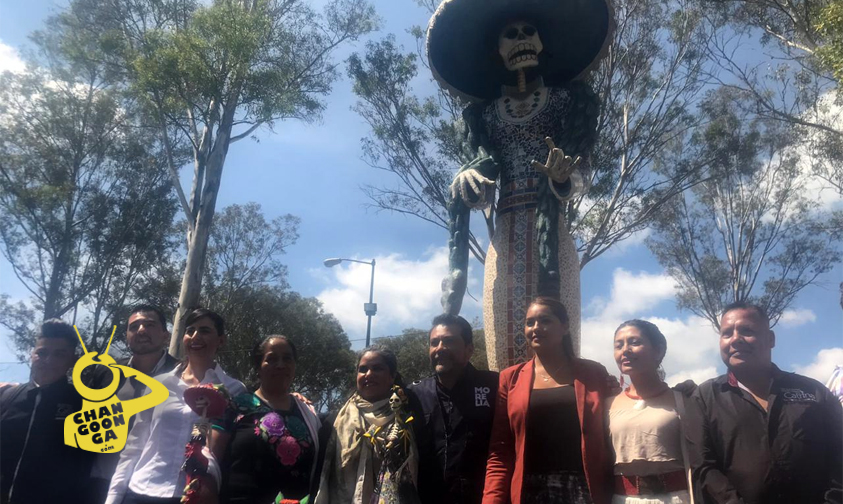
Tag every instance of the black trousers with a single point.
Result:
(133, 498)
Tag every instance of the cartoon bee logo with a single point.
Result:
(102, 425)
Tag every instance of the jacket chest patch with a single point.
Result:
(797, 396)
(481, 396)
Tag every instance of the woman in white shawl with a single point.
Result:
(371, 457)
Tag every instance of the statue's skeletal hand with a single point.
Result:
(558, 166)
(471, 186)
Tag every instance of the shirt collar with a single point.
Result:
(212, 375)
(156, 368)
(732, 380)
(467, 371)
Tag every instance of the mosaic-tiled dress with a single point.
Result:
(517, 129)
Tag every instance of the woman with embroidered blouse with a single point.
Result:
(644, 422)
(272, 442)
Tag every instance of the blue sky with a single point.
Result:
(315, 172)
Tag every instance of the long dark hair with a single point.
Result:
(558, 309)
(650, 331)
(388, 357)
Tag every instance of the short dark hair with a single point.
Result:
(143, 307)
(259, 349)
(650, 331)
(58, 329)
(558, 310)
(215, 317)
(747, 305)
(446, 319)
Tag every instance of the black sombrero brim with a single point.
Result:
(462, 41)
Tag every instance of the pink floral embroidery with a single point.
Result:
(288, 450)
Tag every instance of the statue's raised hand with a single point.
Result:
(471, 185)
(558, 166)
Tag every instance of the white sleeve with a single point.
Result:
(138, 437)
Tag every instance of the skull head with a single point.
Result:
(395, 401)
(519, 45)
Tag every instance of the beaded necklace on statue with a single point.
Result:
(641, 402)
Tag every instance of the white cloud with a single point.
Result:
(795, 318)
(623, 247)
(10, 59)
(823, 364)
(407, 291)
(692, 346)
(632, 293)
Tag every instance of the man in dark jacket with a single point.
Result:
(759, 435)
(454, 412)
(35, 464)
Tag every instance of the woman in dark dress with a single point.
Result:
(273, 442)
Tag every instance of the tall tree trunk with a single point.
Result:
(191, 284)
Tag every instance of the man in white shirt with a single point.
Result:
(147, 337)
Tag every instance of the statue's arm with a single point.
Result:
(577, 138)
(473, 187)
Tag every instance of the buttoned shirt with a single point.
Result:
(791, 452)
(150, 465)
(106, 463)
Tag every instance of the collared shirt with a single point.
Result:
(106, 463)
(32, 445)
(150, 465)
(453, 429)
(792, 452)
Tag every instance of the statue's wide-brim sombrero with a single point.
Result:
(462, 41)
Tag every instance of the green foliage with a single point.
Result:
(247, 284)
(209, 75)
(830, 27)
(749, 232)
(419, 140)
(325, 369)
(84, 200)
(412, 349)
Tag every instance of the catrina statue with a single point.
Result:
(531, 124)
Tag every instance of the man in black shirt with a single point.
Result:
(759, 435)
(35, 464)
(454, 411)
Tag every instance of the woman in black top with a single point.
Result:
(273, 442)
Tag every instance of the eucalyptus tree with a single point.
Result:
(85, 201)
(750, 231)
(213, 74)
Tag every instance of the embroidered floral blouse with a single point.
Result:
(270, 451)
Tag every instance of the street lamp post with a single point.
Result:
(370, 308)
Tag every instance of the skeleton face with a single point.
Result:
(519, 45)
(395, 402)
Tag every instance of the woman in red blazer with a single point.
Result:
(548, 443)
